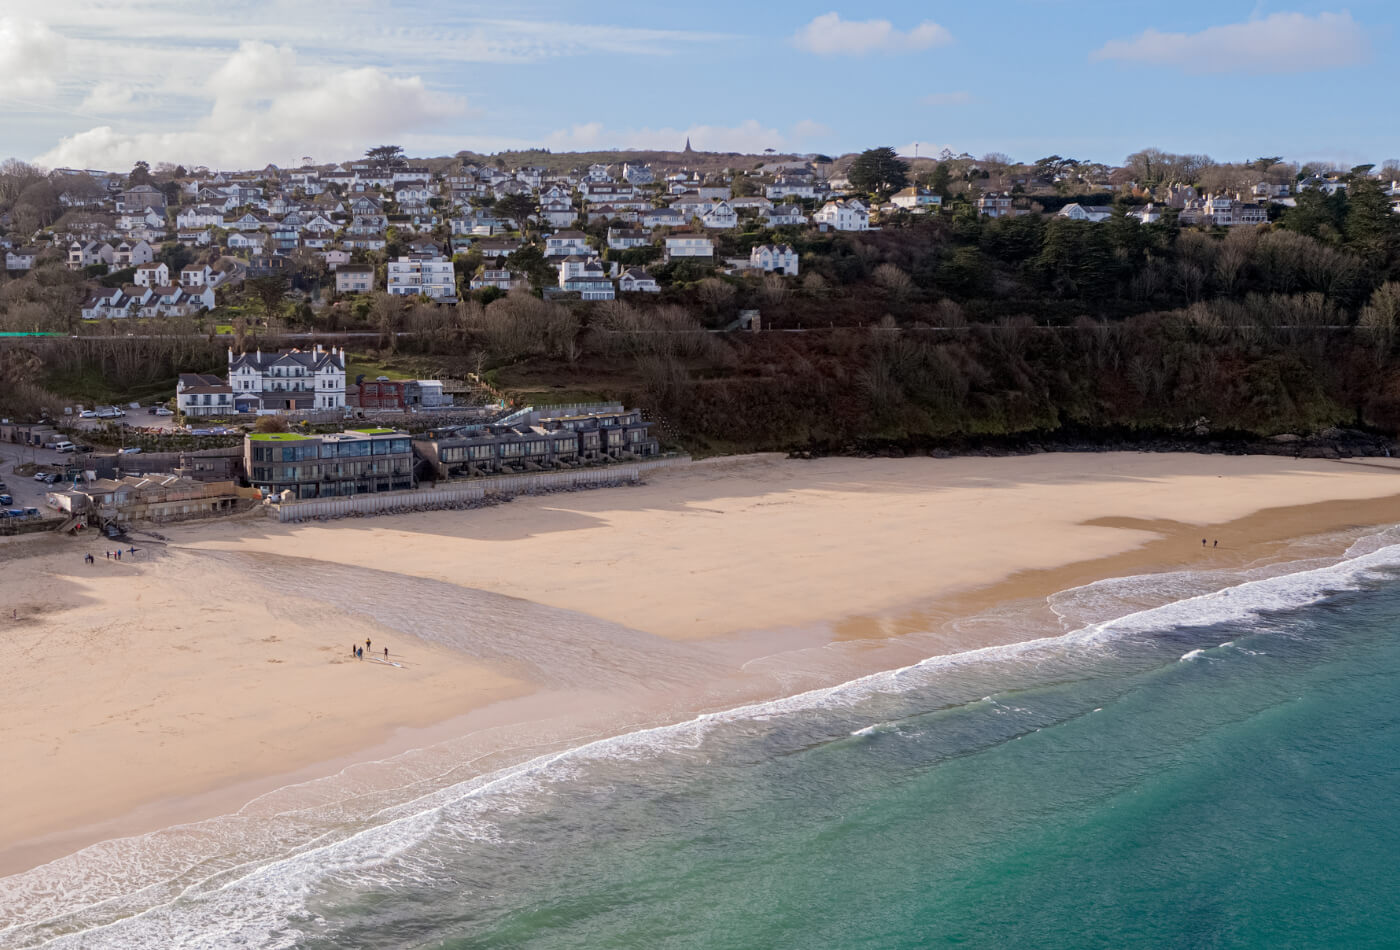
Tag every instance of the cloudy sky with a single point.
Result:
(239, 83)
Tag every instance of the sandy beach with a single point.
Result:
(185, 679)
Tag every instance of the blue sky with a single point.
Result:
(239, 83)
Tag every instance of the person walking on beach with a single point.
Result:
(386, 653)
(1203, 542)
(1216, 544)
(366, 643)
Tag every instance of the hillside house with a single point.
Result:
(354, 279)
(637, 280)
(565, 243)
(429, 275)
(774, 258)
(687, 244)
(843, 214)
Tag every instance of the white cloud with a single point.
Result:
(267, 108)
(960, 98)
(1278, 43)
(829, 35)
(109, 97)
(31, 56)
(749, 137)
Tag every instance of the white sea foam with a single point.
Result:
(1194, 654)
(255, 903)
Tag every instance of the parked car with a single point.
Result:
(88, 414)
(162, 411)
(6, 500)
(132, 450)
(46, 477)
(64, 447)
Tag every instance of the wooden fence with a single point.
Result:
(454, 494)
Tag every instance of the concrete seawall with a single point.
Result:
(450, 495)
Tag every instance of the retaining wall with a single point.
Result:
(452, 494)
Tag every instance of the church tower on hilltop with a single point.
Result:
(688, 149)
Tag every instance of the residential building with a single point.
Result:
(916, 199)
(780, 258)
(637, 280)
(354, 279)
(203, 394)
(501, 278)
(355, 462)
(288, 380)
(638, 174)
(133, 255)
(138, 199)
(381, 393)
(565, 243)
(720, 216)
(785, 215)
(427, 275)
(995, 204)
(197, 275)
(1078, 212)
(152, 275)
(620, 239)
(843, 214)
(687, 244)
(23, 258)
(536, 442)
(82, 255)
(791, 187)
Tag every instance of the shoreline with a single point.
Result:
(1136, 545)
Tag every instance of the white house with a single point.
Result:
(844, 215)
(196, 275)
(720, 215)
(22, 258)
(291, 379)
(201, 216)
(1147, 214)
(133, 255)
(564, 243)
(428, 275)
(663, 218)
(794, 187)
(558, 213)
(620, 239)
(203, 394)
(152, 275)
(638, 174)
(637, 280)
(688, 244)
(774, 257)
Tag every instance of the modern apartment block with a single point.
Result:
(353, 462)
(426, 275)
(537, 442)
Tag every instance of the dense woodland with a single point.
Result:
(931, 328)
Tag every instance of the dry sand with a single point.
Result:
(194, 673)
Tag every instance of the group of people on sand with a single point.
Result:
(111, 555)
(358, 652)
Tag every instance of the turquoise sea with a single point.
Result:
(1194, 762)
